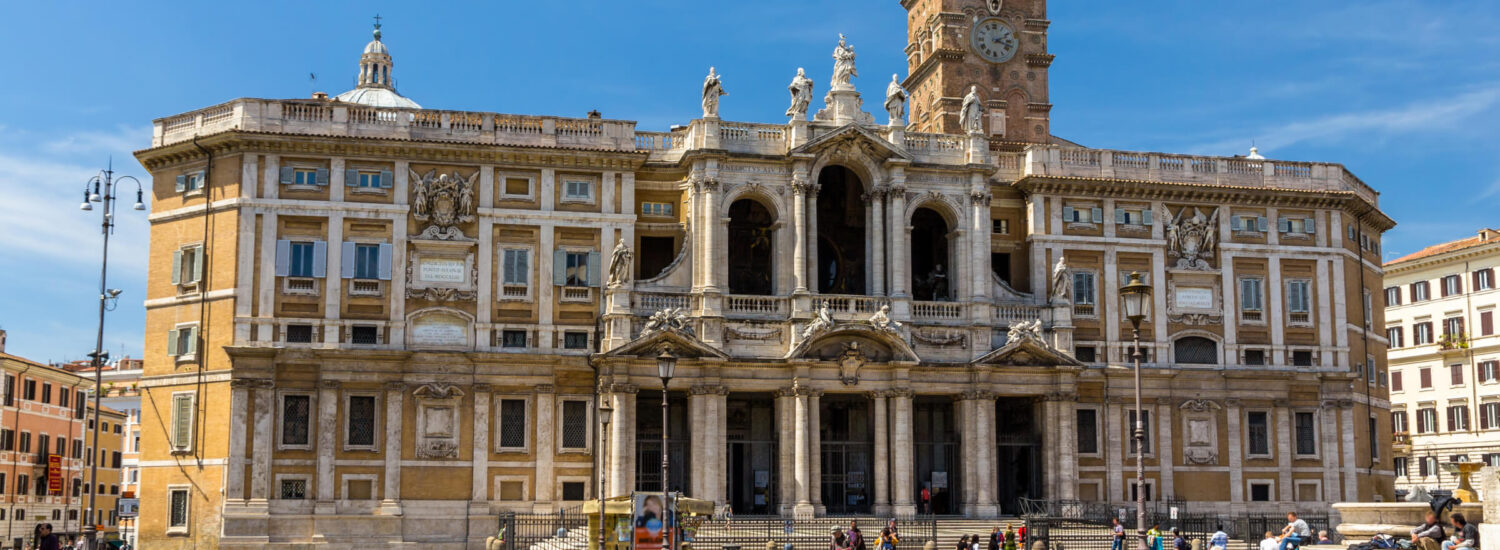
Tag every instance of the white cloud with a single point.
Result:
(123, 138)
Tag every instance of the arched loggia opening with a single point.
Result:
(932, 277)
(841, 232)
(751, 248)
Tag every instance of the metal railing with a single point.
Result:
(1085, 525)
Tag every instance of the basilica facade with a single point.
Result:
(367, 318)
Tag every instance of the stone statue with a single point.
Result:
(619, 265)
(937, 283)
(1023, 331)
(882, 321)
(895, 100)
(445, 202)
(712, 89)
(843, 65)
(1062, 283)
(801, 88)
(1192, 238)
(823, 321)
(672, 318)
(971, 115)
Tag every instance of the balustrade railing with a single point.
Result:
(648, 302)
(853, 305)
(756, 305)
(937, 310)
(516, 124)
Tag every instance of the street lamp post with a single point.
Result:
(102, 189)
(604, 413)
(666, 364)
(1135, 294)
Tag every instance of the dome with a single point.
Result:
(377, 97)
(376, 46)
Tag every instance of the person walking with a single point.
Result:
(995, 537)
(837, 541)
(963, 543)
(926, 499)
(1117, 531)
(1153, 537)
(856, 538)
(1465, 534)
(1010, 538)
(1179, 542)
(1296, 532)
(1220, 540)
(886, 541)
(45, 539)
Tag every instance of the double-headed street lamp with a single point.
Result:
(102, 189)
(666, 365)
(1135, 294)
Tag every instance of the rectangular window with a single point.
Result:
(364, 334)
(1400, 466)
(1307, 434)
(1456, 375)
(1452, 285)
(1484, 279)
(573, 490)
(304, 176)
(1298, 299)
(1489, 371)
(578, 190)
(1251, 300)
(299, 334)
(181, 343)
(1088, 431)
(1458, 418)
(575, 427)
(295, 412)
(1398, 421)
(661, 209)
(1259, 431)
(517, 266)
(1130, 429)
(177, 508)
(512, 423)
(1302, 358)
(1000, 227)
(1255, 357)
(293, 489)
(1260, 492)
(1134, 493)
(1086, 354)
(62, 397)
(361, 425)
(46, 393)
(182, 421)
(1393, 296)
(299, 259)
(369, 180)
(1489, 416)
(1453, 327)
(1424, 377)
(1395, 337)
(1420, 292)
(1083, 288)
(1490, 459)
(23, 484)
(512, 338)
(517, 187)
(1396, 381)
(10, 390)
(1421, 333)
(576, 269)
(1426, 420)
(366, 261)
(191, 181)
(575, 340)
(30, 390)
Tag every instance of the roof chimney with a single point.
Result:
(1485, 234)
(2, 340)
(320, 95)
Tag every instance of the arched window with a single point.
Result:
(751, 248)
(931, 273)
(1196, 350)
(841, 243)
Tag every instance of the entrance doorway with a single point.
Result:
(841, 232)
(753, 451)
(847, 437)
(1018, 456)
(937, 454)
(648, 442)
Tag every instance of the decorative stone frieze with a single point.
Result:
(438, 421)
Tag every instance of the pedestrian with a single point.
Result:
(1220, 540)
(1323, 537)
(963, 543)
(45, 539)
(887, 541)
(1021, 535)
(856, 538)
(1269, 543)
(1153, 537)
(1118, 532)
(895, 535)
(974, 542)
(1179, 542)
(1465, 534)
(995, 539)
(1010, 538)
(926, 499)
(837, 541)
(728, 515)
(1296, 532)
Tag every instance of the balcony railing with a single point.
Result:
(756, 305)
(937, 311)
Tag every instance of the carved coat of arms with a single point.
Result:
(444, 201)
(850, 361)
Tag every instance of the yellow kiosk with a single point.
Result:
(620, 519)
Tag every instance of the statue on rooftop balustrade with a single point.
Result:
(712, 89)
(895, 100)
(843, 65)
(971, 115)
(801, 89)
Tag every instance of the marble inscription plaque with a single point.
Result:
(1195, 298)
(440, 332)
(432, 270)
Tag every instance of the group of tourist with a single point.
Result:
(1010, 539)
(854, 539)
(1430, 535)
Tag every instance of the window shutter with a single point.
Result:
(1146, 217)
(1486, 323)
(172, 343)
(182, 426)
(192, 343)
(1283, 225)
(387, 179)
(346, 260)
(202, 177)
(559, 267)
(1309, 226)
(1119, 216)
(384, 263)
(320, 259)
(594, 269)
(351, 178)
(507, 266)
(1236, 223)
(523, 269)
(1067, 210)
(181, 183)
(288, 175)
(176, 267)
(198, 264)
(283, 257)
(322, 176)
(1096, 215)
(1261, 224)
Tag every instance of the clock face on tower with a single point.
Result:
(994, 40)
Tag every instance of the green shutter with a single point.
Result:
(1146, 217)
(351, 178)
(1096, 215)
(322, 175)
(1119, 216)
(1067, 213)
(559, 267)
(1309, 226)
(197, 264)
(387, 179)
(594, 279)
(192, 344)
(176, 267)
(182, 421)
(172, 343)
(288, 175)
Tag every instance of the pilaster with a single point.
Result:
(622, 439)
(390, 503)
(239, 407)
(882, 505)
(545, 449)
(260, 469)
(479, 493)
(904, 506)
(327, 430)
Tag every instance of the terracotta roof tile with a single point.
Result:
(1485, 236)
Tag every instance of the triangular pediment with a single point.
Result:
(1027, 352)
(851, 140)
(879, 346)
(683, 344)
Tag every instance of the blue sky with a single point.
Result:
(1405, 93)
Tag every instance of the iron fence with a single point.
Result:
(1083, 525)
(567, 530)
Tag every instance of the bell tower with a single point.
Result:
(999, 46)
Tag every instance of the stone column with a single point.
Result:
(812, 237)
(239, 416)
(390, 504)
(265, 415)
(815, 450)
(804, 507)
(786, 473)
(979, 241)
(333, 284)
(901, 449)
(479, 494)
(1329, 425)
(622, 439)
(700, 442)
(719, 451)
(327, 430)
(1236, 454)
(545, 449)
(710, 234)
(1067, 459)
(544, 288)
(969, 442)
(1166, 452)
(1117, 445)
(984, 426)
(882, 456)
(877, 244)
(897, 230)
(1284, 439)
(1351, 483)
(799, 227)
